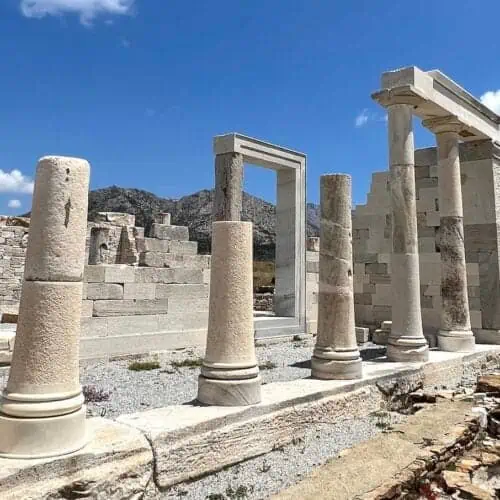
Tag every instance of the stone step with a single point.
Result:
(171, 260)
(167, 232)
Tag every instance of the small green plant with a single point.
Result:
(190, 363)
(297, 440)
(265, 467)
(267, 365)
(140, 366)
(239, 493)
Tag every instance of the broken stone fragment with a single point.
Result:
(489, 383)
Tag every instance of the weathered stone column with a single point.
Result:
(229, 374)
(41, 410)
(336, 354)
(455, 333)
(228, 187)
(406, 341)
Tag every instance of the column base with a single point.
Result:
(407, 350)
(485, 336)
(333, 369)
(456, 341)
(42, 437)
(216, 392)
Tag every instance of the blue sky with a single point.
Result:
(139, 88)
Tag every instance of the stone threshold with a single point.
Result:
(162, 447)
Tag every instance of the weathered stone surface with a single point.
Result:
(167, 232)
(116, 464)
(228, 187)
(116, 218)
(229, 373)
(104, 291)
(130, 307)
(170, 276)
(58, 224)
(336, 354)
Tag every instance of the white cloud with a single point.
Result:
(491, 99)
(88, 10)
(362, 119)
(15, 182)
(14, 204)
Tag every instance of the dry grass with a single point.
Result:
(263, 273)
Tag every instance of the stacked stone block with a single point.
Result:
(372, 239)
(13, 243)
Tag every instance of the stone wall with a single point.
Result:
(372, 239)
(13, 242)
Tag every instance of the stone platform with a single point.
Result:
(189, 441)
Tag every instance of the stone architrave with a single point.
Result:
(455, 333)
(406, 341)
(230, 374)
(336, 354)
(41, 410)
(228, 187)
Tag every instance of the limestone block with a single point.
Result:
(430, 273)
(362, 335)
(167, 232)
(432, 290)
(157, 259)
(168, 291)
(109, 273)
(144, 291)
(184, 247)
(433, 219)
(87, 308)
(181, 304)
(116, 218)
(180, 322)
(104, 291)
(56, 250)
(125, 325)
(116, 464)
(427, 245)
(476, 319)
(164, 275)
(312, 245)
(93, 327)
(155, 245)
(383, 295)
(130, 307)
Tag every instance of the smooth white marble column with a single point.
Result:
(406, 341)
(455, 333)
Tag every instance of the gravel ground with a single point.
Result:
(264, 476)
(132, 391)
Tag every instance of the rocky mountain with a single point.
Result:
(195, 212)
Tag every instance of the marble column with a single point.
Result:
(336, 354)
(406, 341)
(41, 410)
(229, 373)
(228, 187)
(455, 333)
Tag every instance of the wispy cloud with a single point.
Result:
(87, 10)
(15, 182)
(125, 43)
(365, 116)
(491, 99)
(362, 119)
(14, 204)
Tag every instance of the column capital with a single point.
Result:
(407, 94)
(443, 124)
